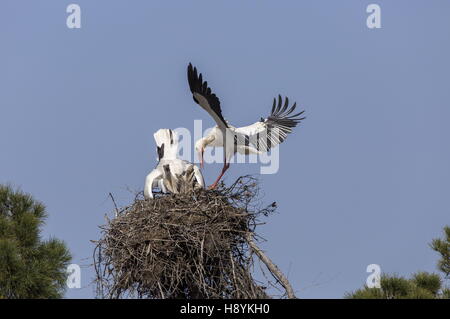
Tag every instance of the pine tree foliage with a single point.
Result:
(29, 266)
(442, 246)
(422, 285)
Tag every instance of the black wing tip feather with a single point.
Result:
(197, 85)
(281, 111)
(281, 118)
(193, 78)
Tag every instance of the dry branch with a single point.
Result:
(274, 270)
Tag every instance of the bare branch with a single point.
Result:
(275, 271)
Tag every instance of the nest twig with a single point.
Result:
(192, 245)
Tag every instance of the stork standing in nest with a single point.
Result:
(171, 174)
(256, 138)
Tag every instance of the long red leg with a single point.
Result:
(224, 169)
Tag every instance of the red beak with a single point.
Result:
(200, 155)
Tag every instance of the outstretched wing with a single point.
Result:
(204, 97)
(274, 129)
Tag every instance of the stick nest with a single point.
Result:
(191, 245)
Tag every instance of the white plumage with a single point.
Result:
(170, 168)
(256, 138)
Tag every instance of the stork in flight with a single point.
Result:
(256, 138)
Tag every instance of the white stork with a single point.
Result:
(169, 166)
(252, 139)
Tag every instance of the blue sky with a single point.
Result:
(364, 180)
